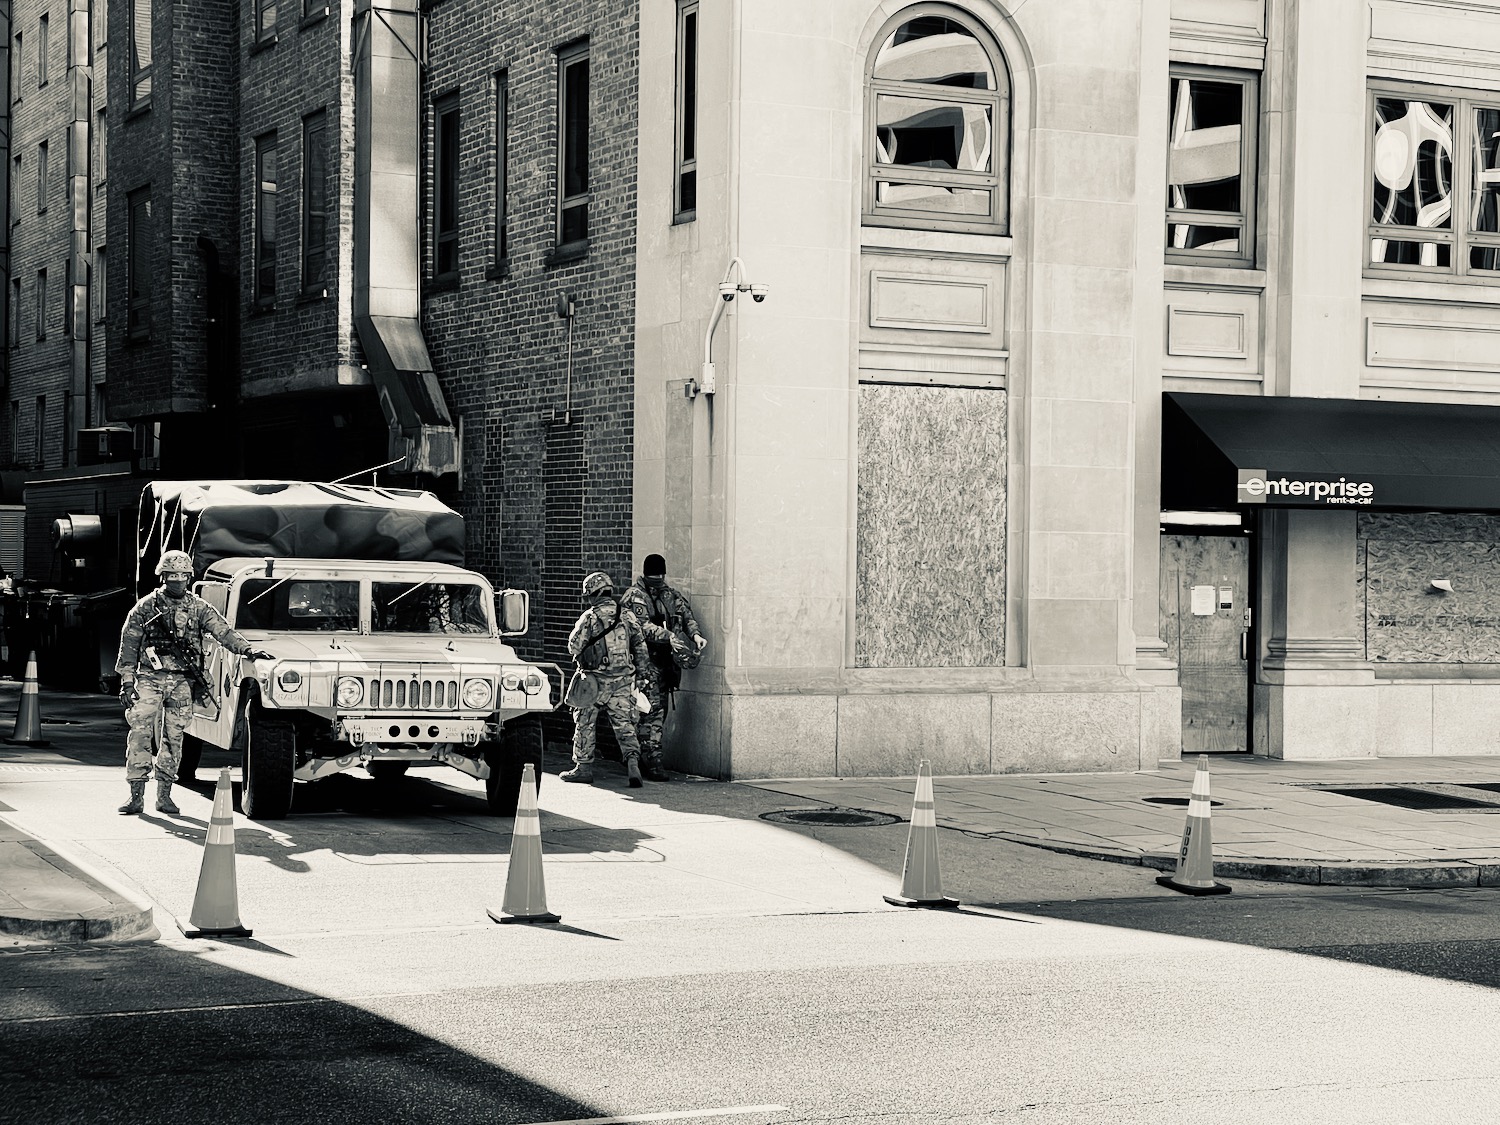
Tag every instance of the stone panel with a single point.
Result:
(930, 571)
(1465, 719)
(784, 735)
(887, 735)
(1322, 721)
(1066, 732)
(1404, 728)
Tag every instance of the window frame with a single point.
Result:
(41, 177)
(141, 72)
(685, 112)
(996, 181)
(447, 185)
(13, 328)
(575, 54)
(314, 258)
(502, 166)
(43, 41)
(41, 303)
(101, 147)
(1245, 220)
(263, 251)
(99, 293)
(39, 437)
(264, 34)
(1458, 236)
(17, 66)
(138, 264)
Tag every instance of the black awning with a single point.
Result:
(1223, 451)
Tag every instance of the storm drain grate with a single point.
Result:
(1180, 802)
(831, 818)
(1411, 797)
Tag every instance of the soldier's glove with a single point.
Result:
(701, 641)
(129, 697)
(260, 654)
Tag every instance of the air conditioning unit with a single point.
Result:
(100, 445)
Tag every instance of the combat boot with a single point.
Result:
(137, 802)
(164, 802)
(577, 774)
(633, 773)
(652, 771)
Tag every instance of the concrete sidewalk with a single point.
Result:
(1272, 820)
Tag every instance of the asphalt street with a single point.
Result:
(711, 962)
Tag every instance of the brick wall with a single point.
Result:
(546, 500)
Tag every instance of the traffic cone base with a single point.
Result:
(216, 906)
(921, 881)
(1195, 858)
(525, 889)
(28, 728)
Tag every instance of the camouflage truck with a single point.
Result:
(388, 653)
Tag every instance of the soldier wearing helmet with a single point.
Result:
(161, 656)
(606, 642)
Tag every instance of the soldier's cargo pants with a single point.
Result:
(648, 726)
(170, 695)
(614, 699)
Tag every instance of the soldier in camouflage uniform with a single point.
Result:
(607, 620)
(162, 633)
(662, 612)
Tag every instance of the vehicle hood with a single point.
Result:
(352, 648)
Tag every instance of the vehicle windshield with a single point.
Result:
(312, 605)
(428, 607)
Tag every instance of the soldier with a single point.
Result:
(161, 657)
(663, 613)
(614, 639)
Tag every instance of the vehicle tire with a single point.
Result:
(192, 756)
(387, 771)
(520, 742)
(270, 758)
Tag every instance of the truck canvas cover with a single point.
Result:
(213, 520)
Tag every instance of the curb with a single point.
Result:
(1415, 873)
(128, 918)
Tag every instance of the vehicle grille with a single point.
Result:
(412, 694)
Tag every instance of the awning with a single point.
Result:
(410, 397)
(1223, 451)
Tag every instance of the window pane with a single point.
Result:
(923, 133)
(314, 201)
(307, 606)
(690, 86)
(938, 51)
(1413, 166)
(447, 187)
(265, 220)
(1484, 212)
(1484, 257)
(576, 128)
(687, 191)
(1399, 252)
(933, 198)
(575, 223)
(1187, 236)
(1206, 154)
(266, 19)
(140, 46)
(428, 607)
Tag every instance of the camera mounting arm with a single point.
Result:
(735, 282)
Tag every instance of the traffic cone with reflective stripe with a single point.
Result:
(921, 884)
(1195, 859)
(525, 892)
(28, 729)
(216, 908)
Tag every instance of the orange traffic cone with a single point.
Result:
(921, 885)
(1195, 859)
(216, 908)
(525, 892)
(28, 730)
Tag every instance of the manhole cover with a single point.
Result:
(832, 818)
(1409, 797)
(1181, 802)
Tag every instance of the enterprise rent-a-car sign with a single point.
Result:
(1305, 490)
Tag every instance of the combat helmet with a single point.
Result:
(175, 562)
(598, 583)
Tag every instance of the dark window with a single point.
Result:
(15, 189)
(265, 20)
(265, 219)
(1211, 167)
(40, 422)
(101, 148)
(13, 320)
(101, 283)
(41, 177)
(42, 39)
(445, 188)
(502, 152)
(314, 202)
(41, 304)
(15, 69)
(138, 263)
(140, 51)
(573, 146)
(685, 202)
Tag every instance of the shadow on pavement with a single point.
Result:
(78, 1044)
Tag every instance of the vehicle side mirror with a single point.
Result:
(515, 612)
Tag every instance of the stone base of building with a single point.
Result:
(1445, 717)
(867, 728)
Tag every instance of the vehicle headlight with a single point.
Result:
(289, 679)
(349, 691)
(534, 683)
(510, 679)
(477, 693)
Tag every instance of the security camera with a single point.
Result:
(727, 290)
(759, 291)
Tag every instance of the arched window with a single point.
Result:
(937, 133)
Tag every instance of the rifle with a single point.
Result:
(203, 691)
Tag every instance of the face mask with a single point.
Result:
(654, 582)
(174, 586)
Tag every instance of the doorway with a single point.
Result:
(1206, 618)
